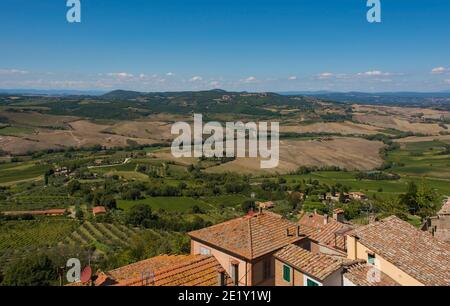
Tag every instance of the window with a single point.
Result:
(235, 272)
(286, 273)
(205, 251)
(371, 259)
(311, 283)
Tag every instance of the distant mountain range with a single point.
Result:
(410, 98)
(400, 98)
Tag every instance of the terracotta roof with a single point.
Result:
(251, 236)
(99, 210)
(332, 235)
(165, 270)
(318, 266)
(37, 212)
(314, 220)
(192, 270)
(445, 210)
(415, 252)
(362, 274)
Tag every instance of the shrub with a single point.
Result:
(35, 270)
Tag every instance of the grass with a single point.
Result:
(15, 131)
(37, 202)
(225, 200)
(131, 175)
(389, 188)
(421, 159)
(17, 173)
(418, 162)
(33, 234)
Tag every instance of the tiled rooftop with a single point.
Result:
(362, 274)
(415, 252)
(193, 270)
(165, 270)
(316, 265)
(314, 220)
(324, 230)
(331, 235)
(135, 270)
(251, 236)
(98, 210)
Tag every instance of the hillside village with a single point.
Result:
(263, 249)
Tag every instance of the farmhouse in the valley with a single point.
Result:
(98, 210)
(358, 196)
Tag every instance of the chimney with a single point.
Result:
(222, 279)
(325, 220)
(251, 213)
(299, 232)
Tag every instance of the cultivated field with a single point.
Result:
(348, 153)
(391, 122)
(103, 235)
(344, 128)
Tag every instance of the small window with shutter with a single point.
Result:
(286, 273)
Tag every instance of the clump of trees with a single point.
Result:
(33, 270)
(141, 215)
(377, 176)
(420, 200)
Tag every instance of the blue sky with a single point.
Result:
(276, 45)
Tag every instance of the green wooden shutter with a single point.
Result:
(311, 283)
(287, 273)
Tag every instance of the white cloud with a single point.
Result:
(214, 84)
(440, 70)
(251, 79)
(325, 75)
(12, 72)
(292, 78)
(374, 73)
(196, 79)
(120, 75)
(170, 74)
